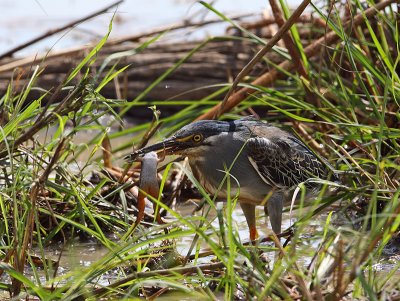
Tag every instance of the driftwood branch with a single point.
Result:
(287, 37)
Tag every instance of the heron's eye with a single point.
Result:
(197, 138)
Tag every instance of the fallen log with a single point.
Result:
(215, 63)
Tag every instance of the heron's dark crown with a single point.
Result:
(215, 127)
(205, 127)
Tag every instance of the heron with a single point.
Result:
(265, 162)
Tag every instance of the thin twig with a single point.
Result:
(57, 30)
(70, 103)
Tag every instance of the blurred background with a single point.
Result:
(24, 19)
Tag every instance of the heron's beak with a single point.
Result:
(169, 146)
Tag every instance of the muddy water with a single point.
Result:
(239, 219)
(78, 254)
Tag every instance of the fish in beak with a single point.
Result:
(170, 146)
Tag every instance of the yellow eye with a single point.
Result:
(197, 138)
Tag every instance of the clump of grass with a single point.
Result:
(346, 108)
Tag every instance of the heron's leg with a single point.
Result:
(274, 209)
(249, 211)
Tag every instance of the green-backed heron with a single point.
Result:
(263, 161)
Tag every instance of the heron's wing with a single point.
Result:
(284, 162)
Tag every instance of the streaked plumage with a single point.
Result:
(284, 162)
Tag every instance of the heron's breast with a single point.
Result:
(243, 179)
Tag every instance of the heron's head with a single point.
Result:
(190, 140)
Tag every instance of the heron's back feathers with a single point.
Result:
(284, 162)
